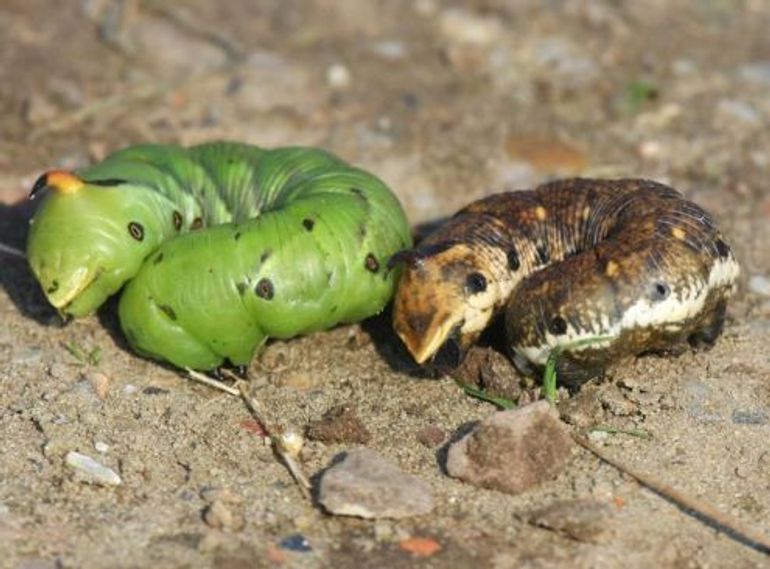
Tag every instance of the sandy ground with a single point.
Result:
(447, 101)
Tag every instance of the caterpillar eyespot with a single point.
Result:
(628, 261)
(136, 230)
(264, 289)
(208, 265)
(371, 263)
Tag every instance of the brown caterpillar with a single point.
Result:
(629, 263)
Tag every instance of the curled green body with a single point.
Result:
(221, 245)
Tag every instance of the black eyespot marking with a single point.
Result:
(264, 289)
(158, 258)
(543, 256)
(660, 291)
(475, 283)
(513, 259)
(265, 256)
(197, 223)
(308, 223)
(557, 326)
(53, 288)
(237, 235)
(177, 219)
(371, 263)
(722, 249)
(136, 230)
(168, 311)
(357, 191)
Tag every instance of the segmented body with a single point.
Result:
(221, 246)
(600, 269)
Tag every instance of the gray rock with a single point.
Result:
(367, 485)
(514, 450)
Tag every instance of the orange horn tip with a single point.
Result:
(59, 180)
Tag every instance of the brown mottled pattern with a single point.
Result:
(584, 252)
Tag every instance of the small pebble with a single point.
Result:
(430, 436)
(750, 417)
(296, 542)
(367, 485)
(100, 383)
(101, 447)
(338, 76)
(583, 520)
(92, 471)
(218, 515)
(27, 356)
(392, 50)
(420, 546)
(339, 424)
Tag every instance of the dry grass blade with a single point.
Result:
(206, 380)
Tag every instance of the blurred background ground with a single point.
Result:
(447, 102)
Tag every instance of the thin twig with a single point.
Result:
(287, 445)
(13, 251)
(703, 509)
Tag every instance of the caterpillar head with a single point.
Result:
(447, 295)
(87, 240)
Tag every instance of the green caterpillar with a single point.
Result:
(219, 246)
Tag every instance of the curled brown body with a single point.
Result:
(600, 269)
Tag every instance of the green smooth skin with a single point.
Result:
(192, 300)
